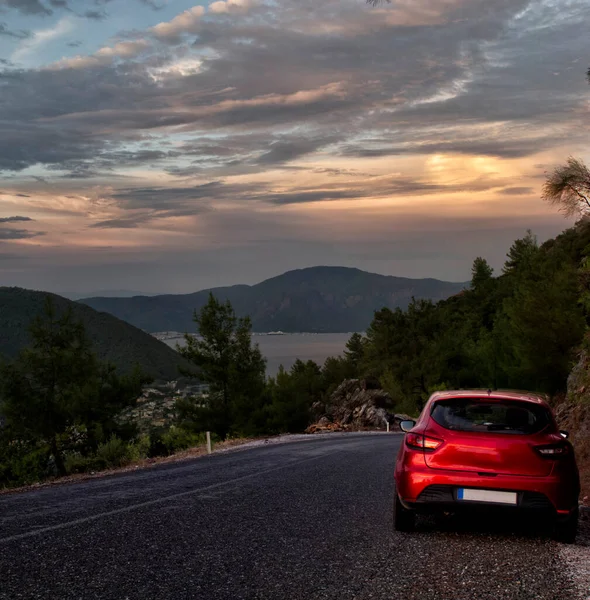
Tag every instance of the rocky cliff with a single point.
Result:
(573, 415)
(357, 404)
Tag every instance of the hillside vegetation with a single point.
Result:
(317, 299)
(113, 340)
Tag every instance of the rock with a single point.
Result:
(573, 416)
(317, 428)
(355, 404)
(317, 410)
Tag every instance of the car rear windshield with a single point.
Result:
(498, 416)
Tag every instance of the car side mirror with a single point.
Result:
(405, 426)
(564, 434)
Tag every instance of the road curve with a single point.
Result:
(304, 520)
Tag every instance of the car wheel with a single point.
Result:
(565, 531)
(403, 519)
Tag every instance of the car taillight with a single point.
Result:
(553, 450)
(422, 442)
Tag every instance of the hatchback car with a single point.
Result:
(472, 449)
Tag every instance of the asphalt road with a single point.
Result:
(304, 520)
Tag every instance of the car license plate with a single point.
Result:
(487, 496)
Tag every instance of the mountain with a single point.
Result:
(316, 299)
(104, 294)
(113, 339)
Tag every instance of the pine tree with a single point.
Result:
(225, 359)
(521, 254)
(481, 273)
(58, 384)
(355, 352)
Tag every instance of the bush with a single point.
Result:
(114, 453)
(165, 443)
(139, 449)
(176, 439)
(77, 463)
(22, 467)
(157, 445)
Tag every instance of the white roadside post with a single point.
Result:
(208, 442)
(387, 426)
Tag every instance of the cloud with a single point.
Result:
(164, 198)
(38, 8)
(134, 221)
(104, 56)
(154, 5)
(19, 35)
(39, 38)
(138, 206)
(277, 85)
(27, 7)
(260, 110)
(290, 148)
(518, 191)
(14, 219)
(226, 6)
(381, 188)
(487, 146)
(186, 22)
(122, 223)
(26, 144)
(96, 15)
(18, 234)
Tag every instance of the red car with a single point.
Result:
(473, 449)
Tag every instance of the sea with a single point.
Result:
(285, 349)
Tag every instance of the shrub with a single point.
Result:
(176, 439)
(23, 468)
(138, 449)
(114, 452)
(157, 445)
(77, 463)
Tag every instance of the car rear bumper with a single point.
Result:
(427, 489)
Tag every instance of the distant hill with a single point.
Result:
(113, 339)
(316, 299)
(104, 294)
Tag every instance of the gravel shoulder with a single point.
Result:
(576, 558)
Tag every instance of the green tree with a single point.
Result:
(307, 380)
(335, 370)
(224, 358)
(289, 408)
(355, 352)
(568, 187)
(481, 273)
(58, 385)
(521, 254)
(542, 323)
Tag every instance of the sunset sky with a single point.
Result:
(168, 146)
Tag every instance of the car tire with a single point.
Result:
(565, 531)
(403, 519)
